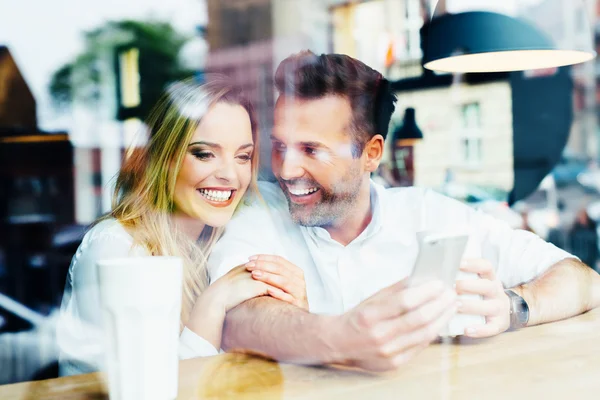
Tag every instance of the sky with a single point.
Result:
(43, 35)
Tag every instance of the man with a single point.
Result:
(354, 239)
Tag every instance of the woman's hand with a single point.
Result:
(233, 288)
(263, 275)
(285, 280)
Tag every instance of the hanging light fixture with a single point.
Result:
(502, 36)
(409, 132)
(404, 139)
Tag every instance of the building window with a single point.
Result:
(471, 135)
(384, 34)
(414, 22)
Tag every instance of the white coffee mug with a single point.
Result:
(141, 303)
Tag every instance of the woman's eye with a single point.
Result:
(245, 157)
(202, 155)
(279, 147)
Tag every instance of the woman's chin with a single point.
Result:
(216, 219)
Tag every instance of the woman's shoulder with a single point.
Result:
(108, 236)
(107, 228)
(107, 239)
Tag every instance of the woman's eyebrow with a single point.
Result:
(209, 144)
(245, 146)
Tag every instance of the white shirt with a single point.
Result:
(79, 331)
(339, 277)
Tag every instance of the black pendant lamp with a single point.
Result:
(408, 133)
(481, 39)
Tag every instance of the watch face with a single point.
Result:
(522, 311)
(519, 310)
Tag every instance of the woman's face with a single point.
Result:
(216, 169)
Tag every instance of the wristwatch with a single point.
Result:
(519, 310)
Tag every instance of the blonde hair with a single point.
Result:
(144, 191)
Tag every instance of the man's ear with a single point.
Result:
(373, 152)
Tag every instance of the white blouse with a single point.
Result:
(79, 331)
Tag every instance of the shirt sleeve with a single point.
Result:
(519, 256)
(252, 231)
(192, 345)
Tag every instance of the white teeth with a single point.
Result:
(302, 192)
(216, 195)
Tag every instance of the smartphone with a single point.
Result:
(439, 257)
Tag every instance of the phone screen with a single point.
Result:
(439, 258)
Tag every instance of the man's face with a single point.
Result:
(312, 159)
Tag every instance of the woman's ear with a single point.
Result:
(373, 153)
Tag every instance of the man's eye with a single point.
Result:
(202, 155)
(311, 151)
(278, 146)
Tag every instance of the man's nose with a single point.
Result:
(291, 165)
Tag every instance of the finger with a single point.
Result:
(479, 307)
(479, 266)
(399, 299)
(276, 260)
(274, 268)
(287, 285)
(407, 355)
(281, 295)
(426, 314)
(483, 331)
(417, 318)
(393, 288)
(250, 289)
(267, 257)
(482, 287)
(422, 336)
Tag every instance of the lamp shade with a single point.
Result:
(478, 40)
(409, 132)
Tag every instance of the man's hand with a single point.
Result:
(495, 305)
(392, 326)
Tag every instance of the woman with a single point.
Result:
(173, 197)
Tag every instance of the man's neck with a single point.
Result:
(356, 221)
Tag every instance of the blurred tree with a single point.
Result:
(158, 44)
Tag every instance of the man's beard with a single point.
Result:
(333, 206)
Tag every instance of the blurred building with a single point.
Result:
(467, 124)
(17, 105)
(467, 130)
(130, 64)
(583, 139)
(36, 193)
(248, 39)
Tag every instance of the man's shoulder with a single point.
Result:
(396, 194)
(423, 194)
(414, 199)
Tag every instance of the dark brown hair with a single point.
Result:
(308, 76)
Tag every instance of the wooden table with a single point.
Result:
(554, 361)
